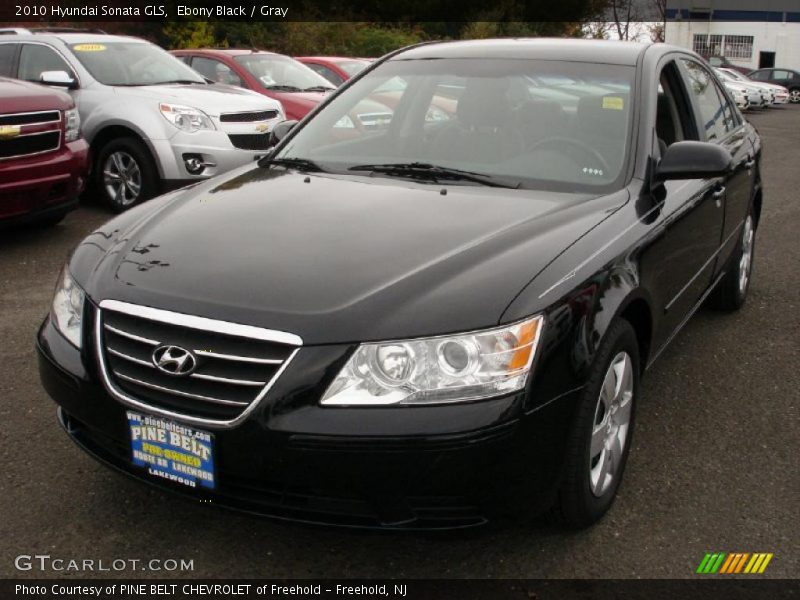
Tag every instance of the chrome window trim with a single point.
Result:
(203, 324)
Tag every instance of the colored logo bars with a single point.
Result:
(735, 562)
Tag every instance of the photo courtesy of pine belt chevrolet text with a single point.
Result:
(430, 304)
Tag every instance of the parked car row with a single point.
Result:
(749, 93)
(785, 78)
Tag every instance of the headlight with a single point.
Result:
(438, 370)
(186, 118)
(72, 125)
(67, 309)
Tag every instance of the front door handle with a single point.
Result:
(719, 192)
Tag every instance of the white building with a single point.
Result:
(749, 33)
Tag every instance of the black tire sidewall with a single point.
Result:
(728, 296)
(146, 166)
(579, 507)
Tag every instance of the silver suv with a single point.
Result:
(152, 122)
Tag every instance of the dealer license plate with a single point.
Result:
(172, 451)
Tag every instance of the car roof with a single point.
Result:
(580, 50)
(332, 58)
(225, 51)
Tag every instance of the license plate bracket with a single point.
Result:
(172, 451)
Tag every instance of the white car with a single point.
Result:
(765, 94)
(746, 97)
(153, 123)
(780, 95)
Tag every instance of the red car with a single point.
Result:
(295, 86)
(44, 161)
(336, 69)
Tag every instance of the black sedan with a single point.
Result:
(431, 322)
(786, 77)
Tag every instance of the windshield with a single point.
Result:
(528, 123)
(133, 63)
(275, 71)
(351, 67)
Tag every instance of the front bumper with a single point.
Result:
(213, 148)
(37, 186)
(302, 467)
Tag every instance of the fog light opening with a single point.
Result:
(195, 164)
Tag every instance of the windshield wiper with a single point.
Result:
(434, 173)
(184, 81)
(301, 164)
(282, 88)
(318, 88)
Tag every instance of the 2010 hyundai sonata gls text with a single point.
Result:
(429, 319)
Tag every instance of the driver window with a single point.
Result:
(35, 59)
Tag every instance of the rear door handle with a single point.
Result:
(748, 164)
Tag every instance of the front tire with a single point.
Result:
(794, 96)
(601, 437)
(124, 174)
(731, 291)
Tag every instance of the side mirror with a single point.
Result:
(58, 78)
(693, 160)
(280, 130)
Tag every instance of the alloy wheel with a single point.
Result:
(794, 96)
(746, 260)
(611, 424)
(122, 178)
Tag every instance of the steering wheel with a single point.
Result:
(567, 146)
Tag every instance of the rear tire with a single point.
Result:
(601, 437)
(731, 292)
(124, 174)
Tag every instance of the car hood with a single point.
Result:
(773, 87)
(335, 258)
(21, 96)
(299, 104)
(745, 87)
(213, 99)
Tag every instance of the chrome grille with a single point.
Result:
(235, 364)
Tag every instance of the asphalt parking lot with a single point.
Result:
(714, 465)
